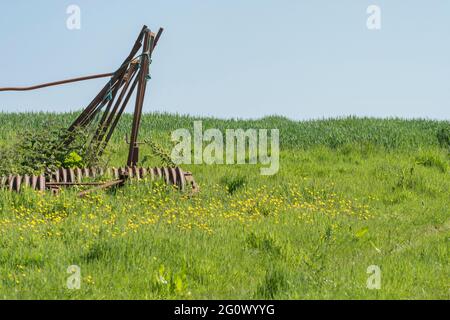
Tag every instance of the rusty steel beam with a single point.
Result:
(133, 154)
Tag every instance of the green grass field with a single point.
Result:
(350, 193)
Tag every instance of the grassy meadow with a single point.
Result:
(350, 193)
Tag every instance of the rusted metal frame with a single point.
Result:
(105, 114)
(116, 113)
(121, 110)
(90, 112)
(102, 93)
(105, 124)
(145, 60)
(92, 108)
(86, 117)
(89, 109)
(133, 149)
(89, 116)
(156, 38)
(111, 101)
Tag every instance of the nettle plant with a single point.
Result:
(42, 151)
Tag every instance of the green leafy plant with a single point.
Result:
(163, 155)
(233, 184)
(42, 151)
(73, 160)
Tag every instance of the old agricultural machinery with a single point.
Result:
(100, 119)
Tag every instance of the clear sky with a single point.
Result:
(238, 58)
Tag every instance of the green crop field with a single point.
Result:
(351, 193)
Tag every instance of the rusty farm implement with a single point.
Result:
(99, 119)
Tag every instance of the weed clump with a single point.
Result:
(233, 184)
(274, 282)
(432, 160)
(43, 151)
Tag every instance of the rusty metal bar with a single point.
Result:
(157, 36)
(133, 153)
(102, 186)
(57, 83)
(51, 184)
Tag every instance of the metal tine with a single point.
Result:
(136, 173)
(3, 181)
(10, 182)
(26, 180)
(174, 176)
(115, 173)
(166, 175)
(56, 176)
(130, 172)
(34, 182)
(41, 183)
(63, 173)
(71, 175)
(143, 173)
(79, 174)
(152, 174)
(157, 172)
(16, 182)
(181, 180)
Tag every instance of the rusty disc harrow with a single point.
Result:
(72, 177)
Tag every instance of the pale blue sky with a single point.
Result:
(248, 58)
